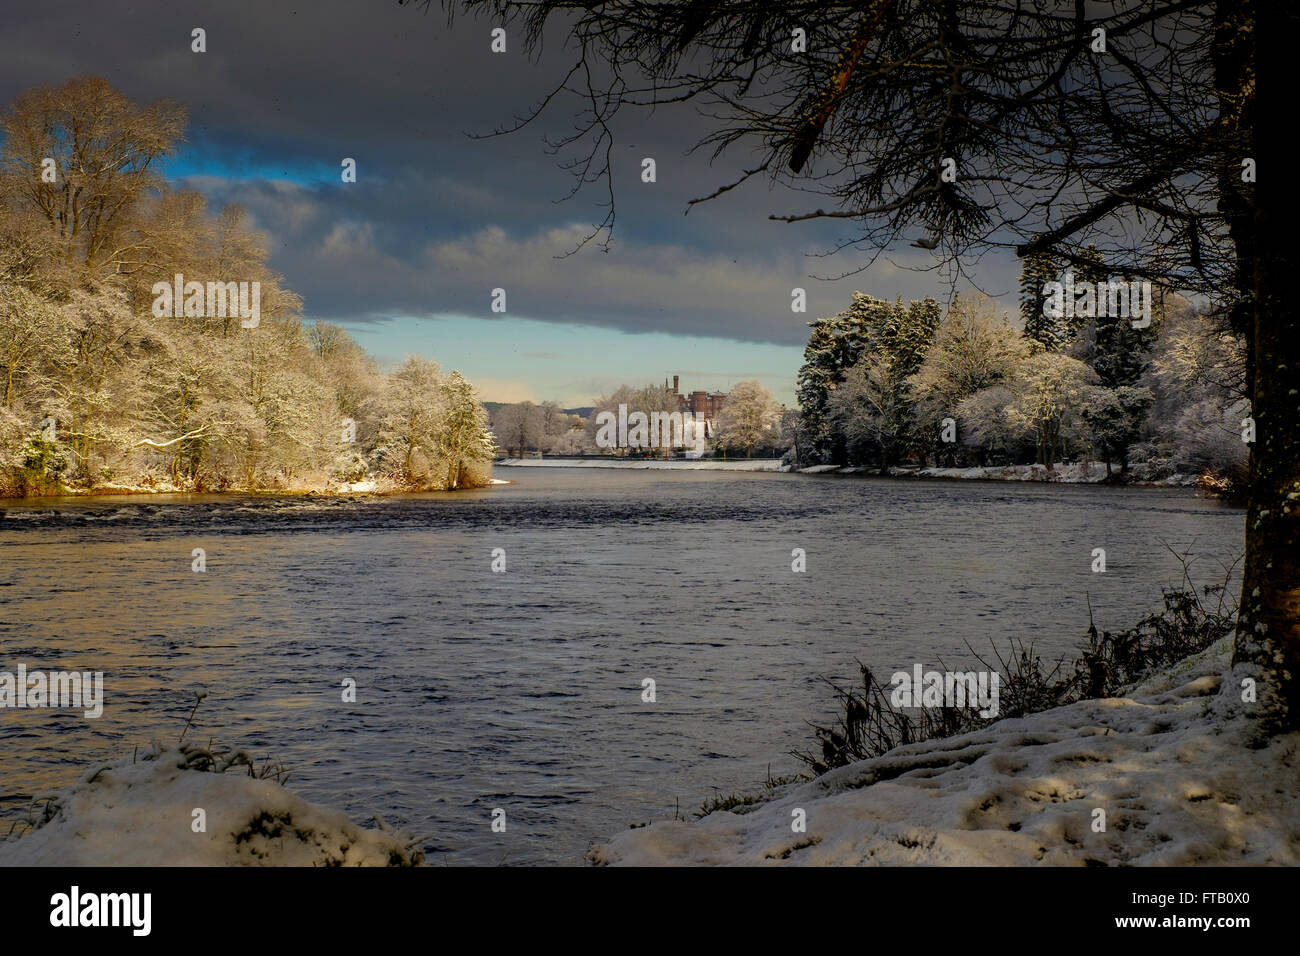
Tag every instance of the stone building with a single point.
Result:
(708, 404)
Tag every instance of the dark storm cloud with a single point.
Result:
(438, 219)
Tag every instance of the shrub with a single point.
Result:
(868, 725)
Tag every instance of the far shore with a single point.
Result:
(356, 489)
(663, 464)
(1074, 473)
(1139, 475)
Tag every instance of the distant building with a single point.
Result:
(708, 404)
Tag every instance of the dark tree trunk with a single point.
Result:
(1268, 629)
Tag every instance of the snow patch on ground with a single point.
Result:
(1172, 765)
(139, 812)
(1069, 474)
(1077, 473)
(356, 487)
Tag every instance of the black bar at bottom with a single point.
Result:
(383, 907)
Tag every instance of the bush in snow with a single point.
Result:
(869, 725)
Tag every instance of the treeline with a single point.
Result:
(100, 390)
(751, 422)
(887, 384)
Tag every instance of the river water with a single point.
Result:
(523, 690)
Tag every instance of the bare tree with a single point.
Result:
(520, 426)
(84, 156)
(750, 416)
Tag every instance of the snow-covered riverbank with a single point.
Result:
(1171, 774)
(1092, 473)
(145, 811)
(1173, 766)
(1074, 474)
(702, 464)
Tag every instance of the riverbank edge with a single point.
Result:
(1176, 772)
(1091, 474)
(1072, 474)
(651, 464)
(360, 489)
(1063, 474)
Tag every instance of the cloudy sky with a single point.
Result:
(407, 257)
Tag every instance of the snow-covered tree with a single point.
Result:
(409, 431)
(464, 444)
(572, 442)
(873, 411)
(1047, 393)
(519, 427)
(1208, 437)
(974, 348)
(750, 418)
(198, 401)
(647, 401)
(900, 335)
(33, 338)
(1114, 417)
(986, 427)
(1047, 330)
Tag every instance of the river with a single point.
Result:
(523, 690)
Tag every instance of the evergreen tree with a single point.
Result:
(1114, 416)
(834, 346)
(1049, 332)
(896, 335)
(1119, 354)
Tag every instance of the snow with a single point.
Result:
(357, 487)
(1176, 766)
(654, 464)
(1065, 474)
(139, 812)
(1070, 474)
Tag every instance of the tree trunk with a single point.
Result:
(1268, 628)
(1049, 435)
